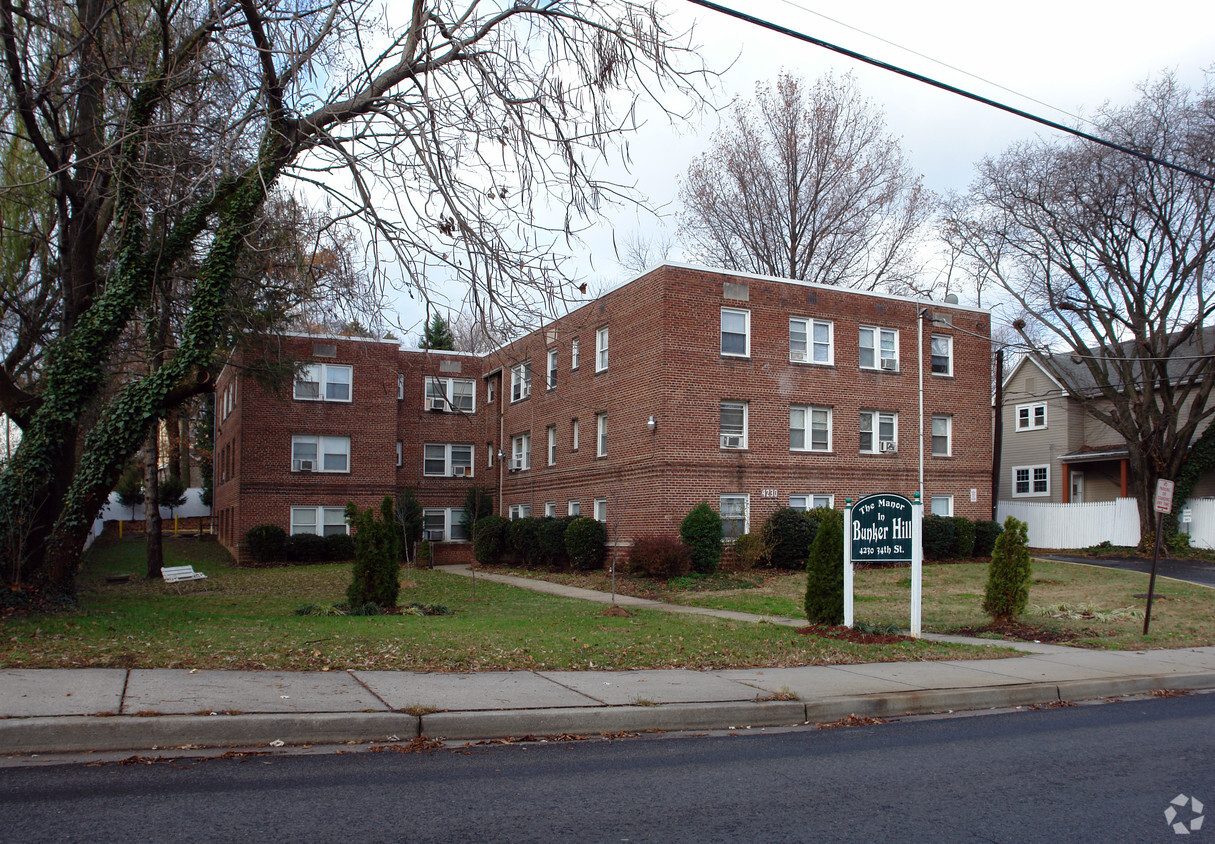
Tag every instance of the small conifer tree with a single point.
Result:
(700, 530)
(1007, 590)
(825, 572)
(376, 551)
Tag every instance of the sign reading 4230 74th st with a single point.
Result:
(881, 529)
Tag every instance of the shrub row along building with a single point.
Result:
(681, 386)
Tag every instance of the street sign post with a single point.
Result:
(1164, 504)
(884, 528)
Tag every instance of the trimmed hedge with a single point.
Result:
(701, 532)
(938, 533)
(660, 557)
(489, 539)
(550, 543)
(306, 548)
(789, 532)
(986, 533)
(340, 547)
(963, 537)
(586, 543)
(523, 539)
(266, 543)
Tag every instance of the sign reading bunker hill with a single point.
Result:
(881, 529)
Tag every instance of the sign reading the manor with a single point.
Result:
(881, 529)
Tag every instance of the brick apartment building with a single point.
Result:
(681, 386)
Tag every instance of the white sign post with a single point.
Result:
(1164, 504)
(885, 528)
(848, 616)
(917, 563)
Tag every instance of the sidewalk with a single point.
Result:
(96, 709)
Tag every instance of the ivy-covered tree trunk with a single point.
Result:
(152, 521)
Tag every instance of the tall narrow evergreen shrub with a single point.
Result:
(376, 551)
(701, 532)
(1007, 590)
(825, 572)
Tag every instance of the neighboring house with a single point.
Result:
(1052, 450)
(681, 386)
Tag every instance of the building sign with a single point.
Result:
(881, 529)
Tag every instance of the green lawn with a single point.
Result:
(1099, 605)
(247, 622)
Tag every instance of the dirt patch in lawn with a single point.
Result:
(1016, 631)
(850, 634)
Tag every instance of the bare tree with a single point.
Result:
(1109, 257)
(142, 141)
(806, 182)
(639, 252)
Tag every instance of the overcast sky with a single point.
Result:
(1068, 54)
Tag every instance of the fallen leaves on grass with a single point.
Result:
(851, 721)
(851, 634)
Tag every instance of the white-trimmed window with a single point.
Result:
(451, 394)
(520, 381)
(398, 452)
(879, 348)
(942, 505)
(323, 382)
(1031, 417)
(574, 353)
(601, 435)
(447, 460)
(320, 454)
(601, 349)
(573, 508)
(491, 388)
(401, 386)
(574, 433)
(552, 369)
(445, 524)
(735, 332)
(550, 509)
(942, 436)
(552, 445)
(521, 452)
(810, 341)
(942, 354)
(520, 511)
(601, 510)
(879, 431)
(809, 428)
(489, 455)
(733, 424)
(1030, 481)
(735, 512)
(320, 521)
(811, 502)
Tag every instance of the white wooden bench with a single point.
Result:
(177, 575)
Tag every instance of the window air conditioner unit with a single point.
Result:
(890, 365)
(731, 441)
(303, 465)
(461, 471)
(797, 356)
(438, 405)
(433, 535)
(888, 446)
(516, 465)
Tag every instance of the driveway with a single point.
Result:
(1201, 572)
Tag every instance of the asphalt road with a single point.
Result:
(1086, 773)
(1201, 572)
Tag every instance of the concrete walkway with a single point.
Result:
(99, 709)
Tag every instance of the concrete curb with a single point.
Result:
(77, 733)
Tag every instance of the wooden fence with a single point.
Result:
(1076, 525)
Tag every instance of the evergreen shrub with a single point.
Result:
(489, 539)
(266, 543)
(375, 578)
(586, 543)
(1008, 577)
(937, 533)
(825, 572)
(986, 532)
(963, 537)
(701, 532)
(789, 533)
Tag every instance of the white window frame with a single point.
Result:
(745, 499)
(398, 453)
(746, 332)
(574, 425)
(322, 445)
(552, 445)
(449, 460)
(400, 386)
(733, 438)
(551, 382)
(573, 507)
(550, 509)
(601, 349)
(948, 502)
(1031, 480)
(490, 389)
(948, 435)
(600, 510)
(1031, 416)
(322, 517)
(319, 374)
(811, 501)
(876, 418)
(932, 354)
(877, 348)
(601, 435)
(574, 353)
(489, 455)
(452, 518)
(520, 511)
(521, 452)
(440, 394)
(808, 413)
(520, 381)
(807, 326)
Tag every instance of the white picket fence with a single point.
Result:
(1075, 525)
(1202, 524)
(114, 511)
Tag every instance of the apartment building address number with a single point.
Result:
(769, 492)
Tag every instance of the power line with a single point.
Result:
(952, 89)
